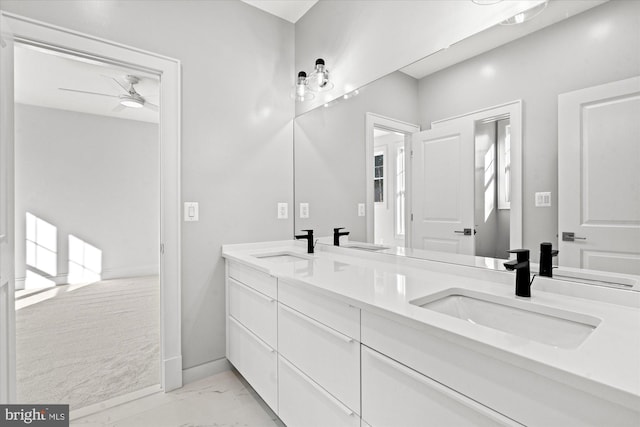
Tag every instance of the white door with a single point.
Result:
(599, 177)
(442, 188)
(7, 298)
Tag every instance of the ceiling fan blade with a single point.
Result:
(120, 85)
(87, 92)
(152, 107)
(118, 108)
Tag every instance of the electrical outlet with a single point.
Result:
(543, 199)
(283, 210)
(361, 209)
(304, 210)
(190, 211)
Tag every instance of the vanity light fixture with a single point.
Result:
(317, 81)
(301, 91)
(527, 15)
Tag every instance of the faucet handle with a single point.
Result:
(335, 230)
(309, 232)
(521, 254)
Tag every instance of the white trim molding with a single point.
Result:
(93, 49)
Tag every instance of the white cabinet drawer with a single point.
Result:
(336, 314)
(256, 279)
(305, 403)
(394, 395)
(328, 357)
(255, 310)
(255, 360)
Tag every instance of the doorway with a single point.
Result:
(86, 229)
(492, 192)
(387, 152)
(24, 30)
(444, 174)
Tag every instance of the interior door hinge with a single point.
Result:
(411, 217)
(162, 248)
(411, 154)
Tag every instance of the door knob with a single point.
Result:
(569, 236)
(466, 231)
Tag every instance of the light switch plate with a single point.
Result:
(361, 209)
(283, 210)
(191, 211)
(543, 199)
(304, 210)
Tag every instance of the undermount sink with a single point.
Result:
(547, 325)
(281, 257)
(364, 247)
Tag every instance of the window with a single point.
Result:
(504, 166)
(378, 178)
(400, 191)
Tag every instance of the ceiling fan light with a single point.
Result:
(131, 102)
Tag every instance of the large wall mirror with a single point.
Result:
(493, 144)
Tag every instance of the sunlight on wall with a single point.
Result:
(41, 245)
(85, 261)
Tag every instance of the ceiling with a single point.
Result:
(290, 10)
(39, 74)
(496, 36)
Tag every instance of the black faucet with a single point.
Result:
(336, 235)
(546, 255)
(521, 266)
(309, 237)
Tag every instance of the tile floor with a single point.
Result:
(224, 399)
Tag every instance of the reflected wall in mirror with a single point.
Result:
(595, 47)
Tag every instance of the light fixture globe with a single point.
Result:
(319, 80)
(132, 101)
(300, 90)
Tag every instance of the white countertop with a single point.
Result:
(607, 363)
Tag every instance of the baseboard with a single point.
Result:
(115, 401)
(199, 372)
(172, 369)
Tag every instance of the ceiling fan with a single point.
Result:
(131, 98)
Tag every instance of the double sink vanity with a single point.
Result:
(364, 337)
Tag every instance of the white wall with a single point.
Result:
(93, 177)
(237, 151)
(362, 41)
(592, 48)
(330, 154)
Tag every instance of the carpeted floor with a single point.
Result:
(85, 345)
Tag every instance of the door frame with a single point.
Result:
(514, 110)
(89, 48)
(372, 121)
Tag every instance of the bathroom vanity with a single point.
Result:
(353, 337)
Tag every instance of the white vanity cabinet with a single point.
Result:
(252, 328)
(319, 337)
(518, 393)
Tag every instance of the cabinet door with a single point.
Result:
(305, 403)
(328, 357)
(255, 310)
(394, 395)
(255, 360)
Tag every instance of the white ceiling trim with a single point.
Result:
(290, 10)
